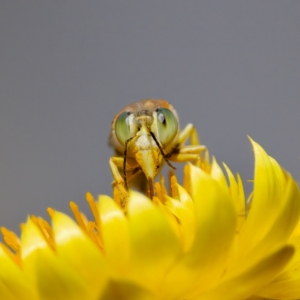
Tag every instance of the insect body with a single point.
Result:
(146, 134)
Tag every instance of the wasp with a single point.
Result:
(145, 135)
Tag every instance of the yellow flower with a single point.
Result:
(203, 241)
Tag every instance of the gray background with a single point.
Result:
(230, 67)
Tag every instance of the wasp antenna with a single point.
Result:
(161, 150)
(124, 162)
(124, 165)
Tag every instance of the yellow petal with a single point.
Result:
(115, 234)
(52, 277)
(155, 246)
(273, 213)
(75, 249)
(245, 284)
(217, 174)
(215, 218)
(186, 217)
(125, 290)
(14, 285)
(286, 287)
(215, 229)
(296, 231)
(237, 196)
(185, 198)
(287, 284)
(169, 216)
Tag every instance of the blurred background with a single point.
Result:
(67, 67)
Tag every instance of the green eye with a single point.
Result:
(122, 129)
(167, 126)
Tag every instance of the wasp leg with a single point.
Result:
(119, 189)
(192, 149)
(184, 157)
(192, 152)
(189, 131)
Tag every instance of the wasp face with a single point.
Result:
(146, 131)
(144, 135)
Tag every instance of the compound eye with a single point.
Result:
(122, 128)
(167, 125)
